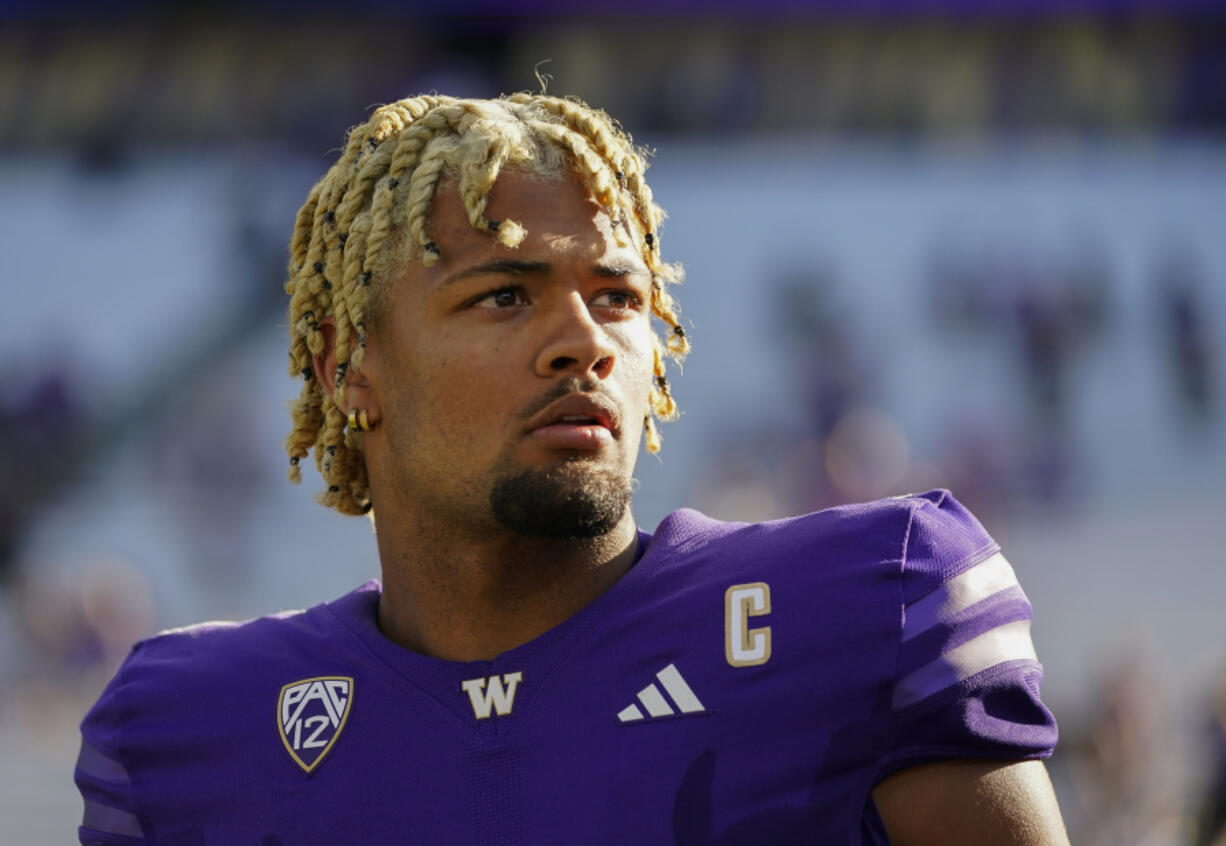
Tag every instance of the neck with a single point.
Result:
(472, 596)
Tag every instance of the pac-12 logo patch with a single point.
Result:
(310, 715)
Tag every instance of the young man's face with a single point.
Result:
(512, 383)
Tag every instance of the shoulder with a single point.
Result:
(943, 540)
(197, 666)
(201, 650)
(929, 536)
(257, 637)
(192, 697)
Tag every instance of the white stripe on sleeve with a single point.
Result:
(1004, 643)
(989, 576)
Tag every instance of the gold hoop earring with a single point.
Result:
(359, 420)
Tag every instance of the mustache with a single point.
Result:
(566, 387)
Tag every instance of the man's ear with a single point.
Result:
(357, 386)
(325, 360)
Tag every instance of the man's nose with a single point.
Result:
(576, 344)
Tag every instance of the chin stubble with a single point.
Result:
(573, 500)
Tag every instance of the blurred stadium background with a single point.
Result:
(972, 245)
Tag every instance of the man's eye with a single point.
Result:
(618, 300)
(502, 298)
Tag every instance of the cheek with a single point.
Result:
(461, 390)
(639, 357)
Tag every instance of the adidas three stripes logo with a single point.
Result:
(657, 704)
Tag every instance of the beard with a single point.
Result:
(571, 500)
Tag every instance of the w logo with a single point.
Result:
(310, 716)
(489, 694)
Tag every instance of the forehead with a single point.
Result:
(559, 214)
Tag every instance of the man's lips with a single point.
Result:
(577, 420)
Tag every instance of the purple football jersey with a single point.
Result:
(741, 684)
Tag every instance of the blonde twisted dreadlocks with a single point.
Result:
(369, 215)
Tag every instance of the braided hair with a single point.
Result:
(369, 216)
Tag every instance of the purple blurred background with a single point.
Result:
(970, 245)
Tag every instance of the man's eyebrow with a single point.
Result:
(518, 267)
(505, 266)
(617, 269)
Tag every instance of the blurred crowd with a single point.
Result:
(1045, 312)
(41, 427)
(135, 73)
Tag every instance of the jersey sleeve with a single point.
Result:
(967, 679)
(105, 783)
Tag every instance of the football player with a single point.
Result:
(481, 320)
